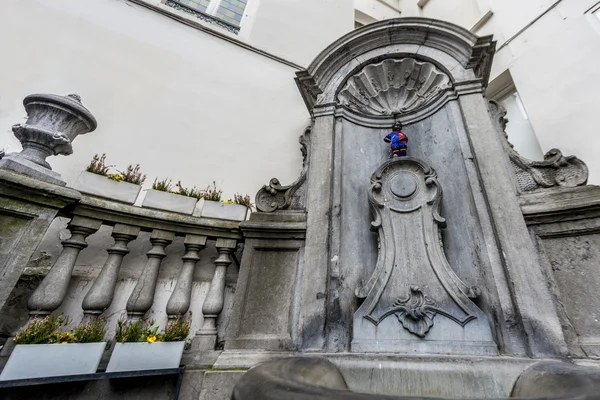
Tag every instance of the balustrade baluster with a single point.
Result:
(180, 299)
(101, 294)
(215, 298)
(142, 296)
(49, 295)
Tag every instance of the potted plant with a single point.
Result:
(140, 347)
(42, 350)
(124, 186)
(213, 207)
(163, 196)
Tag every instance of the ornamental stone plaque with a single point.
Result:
(414, 302)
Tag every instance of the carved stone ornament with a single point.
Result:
(555, 170)
(405, 198)
(274, 196)
(416, 312)
(394, 86)
(53, 122)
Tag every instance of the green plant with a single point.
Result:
(90, 332)
(41, 331)
(163, 186)
(138, 331)
(193, 192)
(98, 165)
(211, 194)
(177, 329)
(243, 200)
(131, 175)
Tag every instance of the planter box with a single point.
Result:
(101, 186)
(216, 209)
(44, 360)
(169, 202)
(144, 356)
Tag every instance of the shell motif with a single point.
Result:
(393, 86)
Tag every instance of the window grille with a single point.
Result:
(226, 14)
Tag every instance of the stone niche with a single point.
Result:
(430, 76)
(394, 88)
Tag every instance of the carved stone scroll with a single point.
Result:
(274, 196)
(394, 86)
(412, 278)
(555, 170)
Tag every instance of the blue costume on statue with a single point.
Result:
(398, 141)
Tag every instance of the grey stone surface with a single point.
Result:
(179, 302)
(45, 360)
(218, 385)
(101, 186)
(394, 93)
(169, 202)
(142, 296)
(381, 377)
(533, 300)
(215, 298)
(565, 225)
(102, 291)
(413, 301)
(554, 379)
(28, 208)
(265, 312)
(275, 196)
(49, 295)
(53, 122)
(555, 170)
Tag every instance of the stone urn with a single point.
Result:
(53, 122)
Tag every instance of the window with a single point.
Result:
(519, 129)
(227, 14)
(593, 15)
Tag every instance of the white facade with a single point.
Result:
(193, 102)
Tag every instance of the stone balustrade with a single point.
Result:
(127, 223)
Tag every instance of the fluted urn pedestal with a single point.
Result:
(53, 123)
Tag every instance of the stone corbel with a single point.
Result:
(555, 170)
(274, 196)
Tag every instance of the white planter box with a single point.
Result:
(101, 186)
(144, 356)
(218, 210)
(44, 360)
(159, 200)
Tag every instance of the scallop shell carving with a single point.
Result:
(394, 86)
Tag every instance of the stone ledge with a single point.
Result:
(560, 204)
(147, 219)
(23, 187)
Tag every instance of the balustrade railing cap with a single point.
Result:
(71, 102)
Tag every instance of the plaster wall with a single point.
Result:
(299, 29)
(376, 9)
(182, 103)
(461, 12)
(553, 63)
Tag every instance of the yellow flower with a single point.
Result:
(151, 339)
(228, 201)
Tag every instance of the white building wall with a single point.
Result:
(553, 61)
(183, 103)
